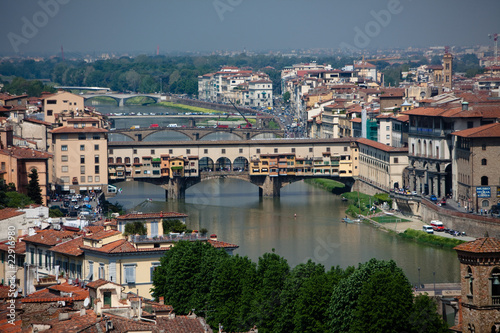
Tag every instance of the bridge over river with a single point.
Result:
(269, 164)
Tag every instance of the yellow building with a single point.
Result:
(80, 156)
(61, 102)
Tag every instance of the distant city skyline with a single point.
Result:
(42, 27)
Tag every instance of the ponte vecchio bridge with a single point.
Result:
(269, 164)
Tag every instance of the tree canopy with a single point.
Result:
(34, 190)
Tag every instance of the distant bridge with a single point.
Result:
(83, 88)
(196, 133)
(121, 98)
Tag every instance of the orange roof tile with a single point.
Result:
(430, 111)
(99, 283)
(102, 234)
(480, 245)
(218, 244)
(7, 213)
(485, 131)
(52, 294)
(71, 129)
(381, 146)
(50, 237)
(25, 153)
(19, 247)
(71, 247)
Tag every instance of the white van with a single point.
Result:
(437, 225)
(172, 125)
(428, 229)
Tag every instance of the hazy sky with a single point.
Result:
(88, 26)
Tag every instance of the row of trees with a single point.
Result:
(240, 294)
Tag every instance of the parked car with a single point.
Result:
(437, 225)
(434, 198)
(428, 229)
(443, 202)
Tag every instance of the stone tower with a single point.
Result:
(480, 285)
(447, 70)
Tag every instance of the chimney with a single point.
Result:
(162, 300)
(465, 106)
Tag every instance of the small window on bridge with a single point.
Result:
(205, 151)
(258, 150)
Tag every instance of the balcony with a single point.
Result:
(495, 300)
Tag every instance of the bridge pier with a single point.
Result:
(271, 187)
(175, 189)
(121, 102)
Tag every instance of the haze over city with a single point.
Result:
(42, 27)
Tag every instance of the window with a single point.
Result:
(345, 148)
(136, 160)
(64, 158)
(152, 151)
(484, 180)
(96, 158)
(82, 159)
(89, 179)
(129, 273)
(241, 150)
(387, 128)
(293, 150)
(483, 161)
(3, 166)
(64, 148)
(154, 265)
(275, 150)
(65, 179)
(40, 258)
(495, 286)
(396, 160)
(205, 151)
(134, 151)
(101, 271)
(82, 179)
(90, 275)
(127, 160)
(223, 151)
(82, 147)
(388, 136)
(170, 151)
(96, 170)
(96, 147)
(97, 179)
(64, 168)
(484, 146)
(51, 101)
(310, 150)
(258, 150)
(118, 160)
(82, 170)
(96, 136)
(485, 204)
(49, 112)
(470, 124)
(188, 151)
(82, 136)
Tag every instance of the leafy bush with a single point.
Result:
(435, 240)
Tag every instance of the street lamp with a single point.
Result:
(419, 277)
(434, 275)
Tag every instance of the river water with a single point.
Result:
(233, 210)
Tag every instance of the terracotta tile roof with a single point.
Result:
(75, 323)
(119, 246)
(7, 213)
(102, 234)
(99, 283)
(480, 245)
(182, 324)
(19, 248)
(71, 129)
(430, 111)
(50, 237)
(218, 244)
(52, 294)
(71, 247)
(355, 120)
(33, 120)
(403, 118)
(150, 216)
(381, 146)
(485, 131)
(25, 153)
(7, 327)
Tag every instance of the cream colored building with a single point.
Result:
(382, 165)
(80, 156)
(61, 102)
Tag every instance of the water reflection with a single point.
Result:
(233, 210)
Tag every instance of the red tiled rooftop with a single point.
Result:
(51, 294)
(380, 146)
(71, 129)
(99, 283)
(71, 247)
(480, 245)
(25, 153)
(7, 213)
(219, 244)
(50, 237)
(102, 234)
(19, 247)
(485, 131)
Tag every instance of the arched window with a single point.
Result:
(470, 290)
(485, 203)
(483, 161)
(127, 160)
(118, 160)
(110, 160)
(495, 286)
(484, 180)
(136, 160)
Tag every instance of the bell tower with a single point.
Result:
(480, 285)
(447, 69)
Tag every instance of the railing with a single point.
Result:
(495, 300)
(167, 238)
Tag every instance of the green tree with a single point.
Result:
(34, 190)
(135, 228)
(170, 225)
(286, 97)
(186, 274)
(17, 200)
(345, 294)
(272, 271)
(385, 303)
(425, 317)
